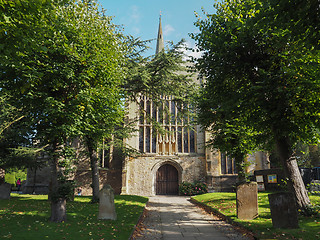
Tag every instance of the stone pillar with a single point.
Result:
(284, 213)
(107, 208)
(247, 200)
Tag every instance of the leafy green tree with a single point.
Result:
(227, 126)
(262, 56)
(16, 147)
(99, 123)
(57, 55)
(8, 113)
(164, 74)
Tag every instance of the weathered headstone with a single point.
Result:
(284, 213)
(247, 200)
(107, 208)
(5, 190)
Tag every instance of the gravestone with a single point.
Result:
(247, 200)
(107, 208)
(284, 213)
(5, 190)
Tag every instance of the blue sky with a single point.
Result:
(140, 18)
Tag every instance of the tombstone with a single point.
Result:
(107, 208)
(284, 213)
(5, 190)
(247, 200)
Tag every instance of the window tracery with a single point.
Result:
(177, 137)
(228, 165)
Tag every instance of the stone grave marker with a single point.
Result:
(284, 213)
(247, 200)
(107, 208)
(5, 190)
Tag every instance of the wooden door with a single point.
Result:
(167, 180)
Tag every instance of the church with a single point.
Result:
(164, 162)
(178, 156)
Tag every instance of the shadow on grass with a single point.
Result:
(27, 217)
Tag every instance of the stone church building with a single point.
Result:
(178, 156)
(165, 160)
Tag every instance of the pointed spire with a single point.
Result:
(160, 43)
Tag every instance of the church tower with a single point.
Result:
(160, 42)
(165, 160)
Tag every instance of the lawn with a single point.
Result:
(26, 217)
(262, 228)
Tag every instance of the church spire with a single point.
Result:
(160, 43)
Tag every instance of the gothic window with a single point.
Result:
(228, 165)
(177, 137)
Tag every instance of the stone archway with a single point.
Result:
(167, 180)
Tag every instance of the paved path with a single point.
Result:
(175, 218)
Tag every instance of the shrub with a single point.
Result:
(311, 210)
(314, 188)
(190, 189)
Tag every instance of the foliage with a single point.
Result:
(307, 155)
(260, 64)
(64, 71)
(62, 60)
(65, 190)
(165, 74)
(250, 61)
(16, 148)
(261, 227)
(314, 185)
(26, 217)
(191, 189)
(8, 113)
(12, 176)
(311, 210)
(157, 76)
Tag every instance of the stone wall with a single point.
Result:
(37, 181)
(224, 183)
(139, 175)
(111, 177)
(82, 178)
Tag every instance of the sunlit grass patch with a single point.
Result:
(225, 203)
(26, 217)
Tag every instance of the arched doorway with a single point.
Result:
(167, 180)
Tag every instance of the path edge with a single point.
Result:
(140, 219)
(237, 226)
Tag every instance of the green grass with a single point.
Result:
(26, 217)
(262, 228)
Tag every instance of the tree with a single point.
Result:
(261, 56)
(16, 148)
(227, 126)
(164, 74)
(56, 54)
(101, 117)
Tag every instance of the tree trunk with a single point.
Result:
(58, 205)
(34, 181)
(111, 164)
(291, 169)
(94, 162)
(239, 161)
(58, 210)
